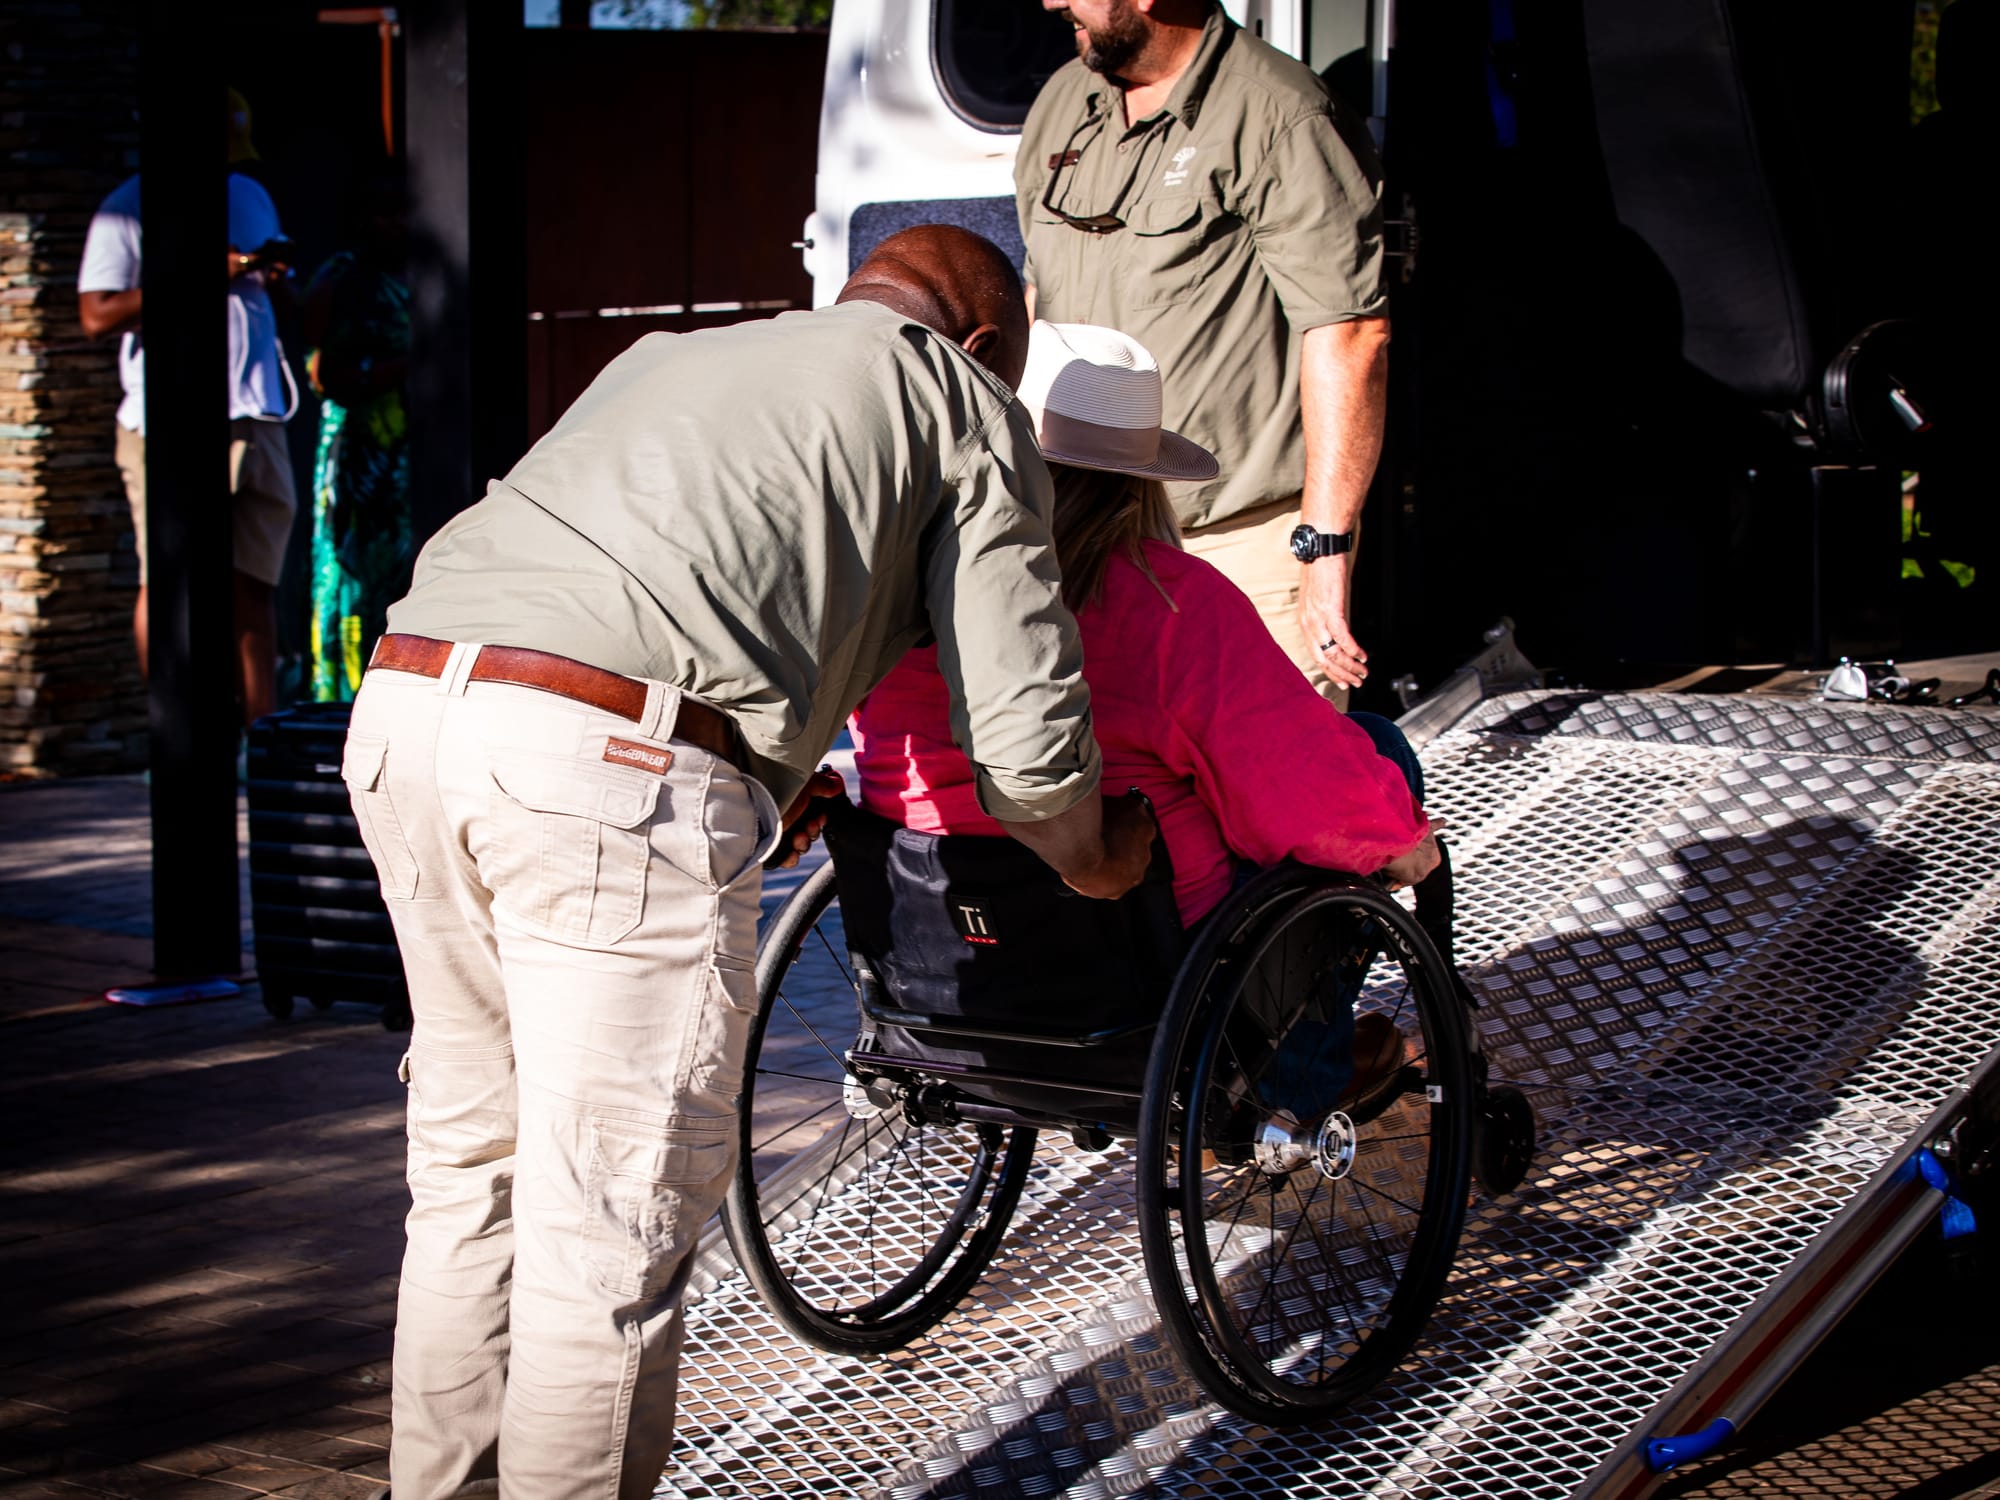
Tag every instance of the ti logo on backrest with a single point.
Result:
(974, 920)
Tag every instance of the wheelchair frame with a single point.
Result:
(1230, 1186)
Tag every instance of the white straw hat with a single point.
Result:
(1095, 396)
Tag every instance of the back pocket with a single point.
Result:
(364, 766)
(567, 845)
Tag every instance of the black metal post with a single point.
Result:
(1817, 652)
(1855, 562)
(191, 683)
(468, 374)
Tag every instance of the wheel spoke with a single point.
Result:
(1272, 1261)
(1408, 1208)
(838, 962)
(838, 1057)
(838, 1083)
(787, 1129)
(833, 1159)
(1328, 1258)
(1374, 1234)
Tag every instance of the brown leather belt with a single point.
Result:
(696, 723)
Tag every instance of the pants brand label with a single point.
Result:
(645, 757)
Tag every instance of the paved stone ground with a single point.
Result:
(200, 1214)
(200, 1217)
(79, 854)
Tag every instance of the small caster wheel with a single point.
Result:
(321, 1002)
(1506, 1147)
(278, 1004)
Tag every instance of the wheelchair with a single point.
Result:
(927, 1004)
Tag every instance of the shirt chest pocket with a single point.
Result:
(1168, 249)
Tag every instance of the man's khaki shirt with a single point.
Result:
(769, 516)
(1251, 215)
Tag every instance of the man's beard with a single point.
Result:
(1112, 49)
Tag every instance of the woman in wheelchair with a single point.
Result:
(1192, 701)
(1300, 1174)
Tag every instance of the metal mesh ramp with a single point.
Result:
(1737, 950)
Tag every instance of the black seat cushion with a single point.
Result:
(978, 932)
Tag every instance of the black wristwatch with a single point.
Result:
(1309, 545)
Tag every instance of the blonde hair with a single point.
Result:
(1099, 515)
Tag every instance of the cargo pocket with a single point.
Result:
(1169, 249)
(413, 1107)
(362, 766)
(568, 844)
(720, 1035)
(645, 1195)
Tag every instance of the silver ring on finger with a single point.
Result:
(1326, 645)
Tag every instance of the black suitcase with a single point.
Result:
(322, 933)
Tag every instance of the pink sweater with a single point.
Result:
(1199, 709)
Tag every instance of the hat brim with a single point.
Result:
(1180, 459)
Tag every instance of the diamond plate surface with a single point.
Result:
(1746, 723)
(1736, 950)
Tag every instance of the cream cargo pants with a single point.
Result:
(1252, 552)
(579, 932)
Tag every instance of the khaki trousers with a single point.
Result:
(263, 499)
(579, 933)
(1252, 551)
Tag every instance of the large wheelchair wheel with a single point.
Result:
(860, 1227)
(1297, 1233)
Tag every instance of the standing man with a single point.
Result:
(564, 758)
(1188, 184)
(262, 398)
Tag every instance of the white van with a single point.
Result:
(924, 102)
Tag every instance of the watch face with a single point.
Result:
(1305, 544)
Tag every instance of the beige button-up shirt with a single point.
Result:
(1251, 214)
(769, 515)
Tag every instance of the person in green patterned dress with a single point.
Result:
(356, 317)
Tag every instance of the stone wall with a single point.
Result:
(71, 699)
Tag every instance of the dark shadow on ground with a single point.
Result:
(200, 1224)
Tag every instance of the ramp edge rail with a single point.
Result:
(1774, 1337)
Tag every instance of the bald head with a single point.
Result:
(951, 280)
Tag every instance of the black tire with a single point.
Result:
(278, 1003)
(1506, 1140)
(396, 1014)
(1292, 1286)
(859, 1234)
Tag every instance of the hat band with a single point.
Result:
(1094, 442)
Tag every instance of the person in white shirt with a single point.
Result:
(262, 398)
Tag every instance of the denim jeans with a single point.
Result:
(1391, 742)
(1316, 1060)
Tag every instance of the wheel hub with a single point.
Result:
(1282, 1145)
(866, 1101)
(1334, 1145)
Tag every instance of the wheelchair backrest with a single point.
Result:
(979, 930)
